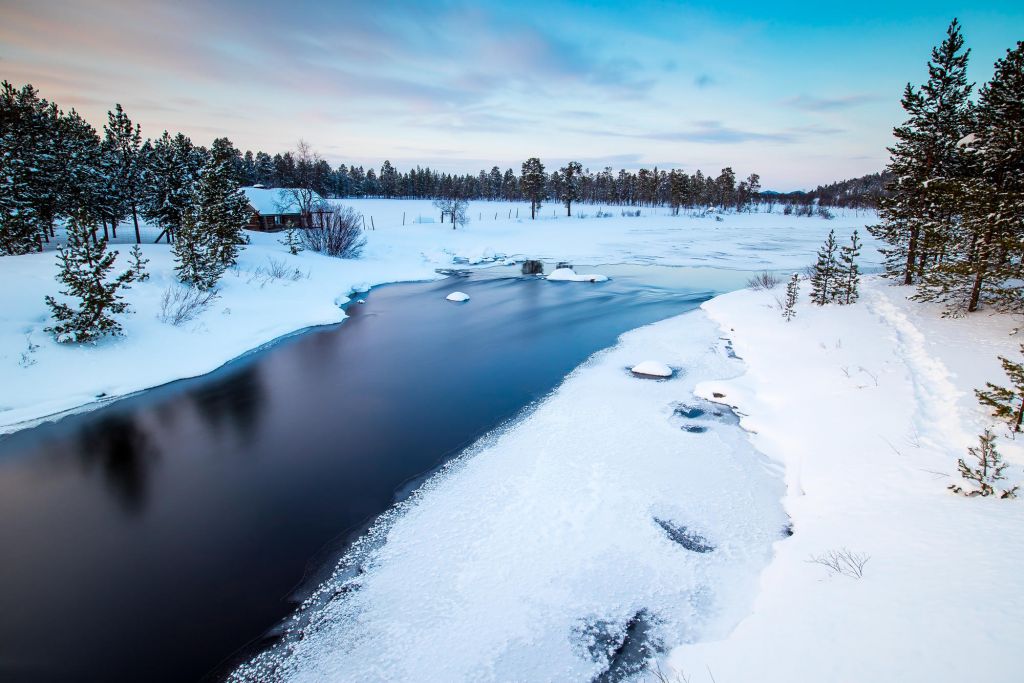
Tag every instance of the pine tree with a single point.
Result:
(196, 252)
(291, 240)
(570, 190)
(988, 470)
(124, 142)
(138, 264)
(26, 133)
(220, 207)
(993, 220)
(167, 192)
(924, 161)
(824, 273)
(792, 294)
(1006, 404)
(85, 267)
(848, 274)
(532, 184)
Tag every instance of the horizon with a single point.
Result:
(464, 87)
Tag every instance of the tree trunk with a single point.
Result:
(1020, 416)
(135, 219)
(106, 235)
(568, 209)
(908, 275)
(979, 276)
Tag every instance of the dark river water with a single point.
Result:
(162, 537)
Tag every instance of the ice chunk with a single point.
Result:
(570, 275)
(458, 296)
(651, 368)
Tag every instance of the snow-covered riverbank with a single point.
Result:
(41, 378)
(868, 407)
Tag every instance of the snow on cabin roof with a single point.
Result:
(274, 201)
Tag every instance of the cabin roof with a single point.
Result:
(274, 201)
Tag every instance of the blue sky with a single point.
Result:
(802, 94)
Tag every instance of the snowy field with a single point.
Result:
(41, 378)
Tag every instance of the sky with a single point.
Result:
(802, 94)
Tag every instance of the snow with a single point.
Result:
(570, 275)
(457, 296)
(868, 408)
(652, 368)
(253, 309)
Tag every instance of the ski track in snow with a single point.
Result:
(936, 415)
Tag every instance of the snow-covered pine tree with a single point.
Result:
(124, 142)
(196, 252)
(792, 294)
(85, 268)
(825, 271)
(848, 275)
(138, 264)
(988, 262)
(25, 137)
(572, 176)
(532, 184)
(924, 161)
(986, 472)
(221, 208)
(170, 178)
(1006, 404)
(291, 240)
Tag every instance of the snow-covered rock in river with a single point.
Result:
(651, 368)
(570, 275)
(458, 296)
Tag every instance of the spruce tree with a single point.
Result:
(924, 161)
(85, 268)
(124, 141)
(848, 281)
(26, 136)
(985, 472)
(1007, 404)
(138, 264)
(171, 175)
(532, 184)
(792, 294)
(825, 271)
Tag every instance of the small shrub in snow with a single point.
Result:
(27, 356)
(843, 562)
(138, 264)
(763, 280)
(824, 212)
(792, 294)
(276, 269)
(987, 470)
(1006, 404)
(181, 304)
(291, 241)
(336, 232)
(825, 272)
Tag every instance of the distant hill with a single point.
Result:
(859, 193)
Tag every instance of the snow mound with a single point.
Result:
(457, 296)
(361, 288)
(651, 368)
(570, 275)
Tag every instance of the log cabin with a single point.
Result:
(275, 209)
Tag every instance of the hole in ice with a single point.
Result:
(694, 429)
(624, 647)
(680, 534)
(689, 412)
(705, 410)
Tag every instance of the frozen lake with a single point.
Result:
(161, 538)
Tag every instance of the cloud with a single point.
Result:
(809, 103)
(707, 132)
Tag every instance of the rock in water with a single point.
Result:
(651, 368)
(458, 296)
(533, 268)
